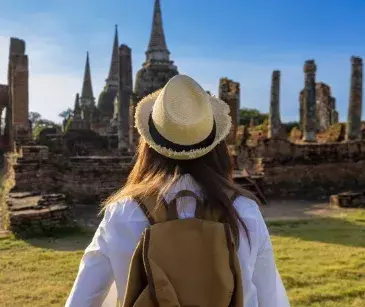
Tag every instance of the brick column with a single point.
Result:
(124, 95)
(229, 92)
(353, 131)
(274, 116)
(309, 107)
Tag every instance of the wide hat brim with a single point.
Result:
(222, 118)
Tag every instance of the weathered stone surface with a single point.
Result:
(4, 95)
(305, 168)
(229, 92)
(326, 107)
(355, 105)
(301, 109)
(35, 214)
(4, 105)
(157, 47)
(309, 106)
(110, 91)
(348, 200)
(88, 179)
(274, 115)
(124, 96)
(20, 94)
(77, 122)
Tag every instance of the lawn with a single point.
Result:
(322, 263)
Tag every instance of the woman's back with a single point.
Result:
(110, 252)
(181, 147)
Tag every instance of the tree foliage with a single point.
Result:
(34, 117)
(247, 114)
(66, 114)
(39, 123)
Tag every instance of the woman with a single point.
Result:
(181, 147)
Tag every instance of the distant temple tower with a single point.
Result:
(158, 69)
(87, 100)
(110, 91)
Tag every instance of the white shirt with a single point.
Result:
(103, 271)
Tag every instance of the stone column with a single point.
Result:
(229, 92)
(274, 116)
(353, 131)
(309, 107)
(4, 104)
(301, 110)
(124, 94)
(17, 47)
(20, 95)
(324, 106)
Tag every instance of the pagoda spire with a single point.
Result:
(114, 66)
(77, 108)
(87, 88)
(157, 48)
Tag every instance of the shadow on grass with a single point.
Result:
(70, 239)
(348, 232)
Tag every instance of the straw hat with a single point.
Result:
(181, 121)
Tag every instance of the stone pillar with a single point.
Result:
(4, 104)
(17, 47)
(309, 107)
(324, 106)
(353, 131)
(301, 110)
(229, 92)
(124, 95)
(20, 96)
(334, 113)
(274, 116)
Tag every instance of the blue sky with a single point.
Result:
(240, 39)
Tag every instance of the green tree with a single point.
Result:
(246, 115)
(34, 117)
(66, 114)
(39, 123)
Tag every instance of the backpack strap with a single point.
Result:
(147, 213)
(154, 212)
(233, 195)
(171, 208)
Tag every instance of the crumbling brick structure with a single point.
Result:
(229, 92)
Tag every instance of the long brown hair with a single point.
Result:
(153, 174)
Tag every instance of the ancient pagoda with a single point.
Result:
(84, 105)
(87, 99)
(158, 69)
(107, 96)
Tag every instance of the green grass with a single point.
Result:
(322, 263)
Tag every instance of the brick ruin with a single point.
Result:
(348, 200)
(355, 105)
(303, 170)
(326, 107)
(14, 98)
(307, 167)
(229, 91)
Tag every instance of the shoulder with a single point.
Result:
(124, 210)
(246, 206)
(250, 213)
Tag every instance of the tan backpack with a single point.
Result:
(184, 262)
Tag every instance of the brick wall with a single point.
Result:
(306, 169)
(82, 179)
